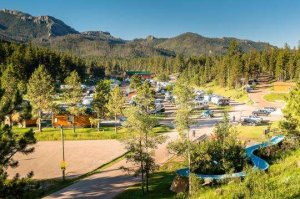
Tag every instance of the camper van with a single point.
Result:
(219, 100)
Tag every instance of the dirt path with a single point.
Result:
(263, 88)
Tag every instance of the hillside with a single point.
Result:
(24, 27)
(194, 44)
(50, 32)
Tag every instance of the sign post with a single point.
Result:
(63, 163)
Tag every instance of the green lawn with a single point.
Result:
(273, 97)
(160, 183)
(84, 133)
(255, 133)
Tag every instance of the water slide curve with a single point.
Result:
(256, 161)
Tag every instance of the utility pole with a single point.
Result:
(63, 163)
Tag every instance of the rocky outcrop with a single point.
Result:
(32, 27)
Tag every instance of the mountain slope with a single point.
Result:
(24, 27)
(50, 32)
(194, 44)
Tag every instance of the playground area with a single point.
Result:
(257, 162)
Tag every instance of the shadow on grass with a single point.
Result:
(159, 187)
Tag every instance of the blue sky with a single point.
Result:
(273, 21)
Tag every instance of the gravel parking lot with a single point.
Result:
(81, 157)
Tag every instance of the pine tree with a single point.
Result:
(140, 143)
(40, 92)
(9, 92)
(101, 97)
(73, 96)
(145, 97)
(115, 104)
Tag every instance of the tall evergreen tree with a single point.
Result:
(40, 92)
(115, 104)
(141, 142)
(101, 97)
(73, 96)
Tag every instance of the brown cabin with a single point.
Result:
(65, 121)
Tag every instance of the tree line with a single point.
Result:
(281, 64)
(24, 59)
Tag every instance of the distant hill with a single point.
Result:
(194, 44)
(50, 32)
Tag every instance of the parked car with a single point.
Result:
(256, 118)
(208, 114)
(261, 112)
(270, 109)
(156, 111)
(253, 119)
(250, 121)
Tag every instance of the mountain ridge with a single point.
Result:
(48, 31)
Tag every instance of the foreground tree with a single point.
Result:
(291, 123)
(115, 104)
(10, 96)
(73, 96)
(10, 144)
(140, 143)
(40, 92)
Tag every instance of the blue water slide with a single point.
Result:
(256, 161)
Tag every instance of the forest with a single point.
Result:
(282, 64)
(226, 70)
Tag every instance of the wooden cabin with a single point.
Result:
(66, 120)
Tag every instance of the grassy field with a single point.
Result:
(273, 97)
(159, 182)
(255, 133)
(83, 133)
(235, 94)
